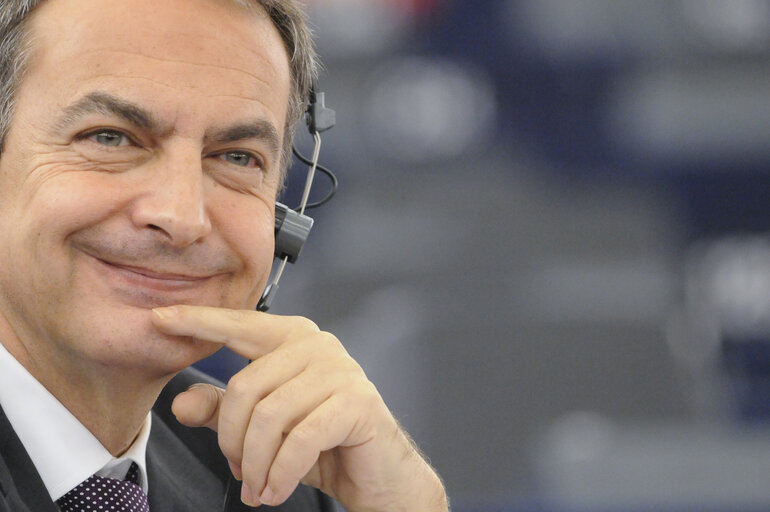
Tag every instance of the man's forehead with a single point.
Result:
(198, 24)
(172, 40)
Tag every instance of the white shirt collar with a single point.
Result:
(64, 452)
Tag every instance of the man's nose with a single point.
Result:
(173, 201)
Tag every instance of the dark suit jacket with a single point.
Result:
(186, 470)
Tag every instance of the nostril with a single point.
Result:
(156, 228)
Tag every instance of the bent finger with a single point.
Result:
(198, 406)
(276, 416)
(327, 427)
(245, 390)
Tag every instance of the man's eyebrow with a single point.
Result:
(104, 103)
(260, 129)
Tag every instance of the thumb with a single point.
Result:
(198, 406)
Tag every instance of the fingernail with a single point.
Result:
(247, 496)
(267, 496)
(165, 312)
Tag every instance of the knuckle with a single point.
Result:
(213, 395)
(301, 438)
(353, 368)
(239, 385)
(302, 324)
(265, 412)
(329, 339)
(374, 402)
(240, 315)
(349, 375)
(325, 346)
(279, 358)
(368, 397)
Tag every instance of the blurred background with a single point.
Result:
(549, 249)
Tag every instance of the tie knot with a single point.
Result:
(99, 494)
(133, 474)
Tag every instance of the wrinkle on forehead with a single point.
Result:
(191, 29)
(187, 62)
(125, 56)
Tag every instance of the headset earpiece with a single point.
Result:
(319, 117)
(291, 232)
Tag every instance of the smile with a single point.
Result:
(162, 281)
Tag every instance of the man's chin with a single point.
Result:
(125, 340)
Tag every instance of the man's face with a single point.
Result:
(140, 170)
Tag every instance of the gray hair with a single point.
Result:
(287, 16)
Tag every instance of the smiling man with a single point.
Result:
(143, 145)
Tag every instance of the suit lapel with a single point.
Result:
(21, 488)
(178, 481)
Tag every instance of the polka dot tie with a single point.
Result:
(101, 494)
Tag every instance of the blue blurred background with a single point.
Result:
(549, 248)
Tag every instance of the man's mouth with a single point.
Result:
(162, 280)
(146, 274)
(153, 274)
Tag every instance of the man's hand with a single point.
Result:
(302, 411)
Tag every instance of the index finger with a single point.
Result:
(248, 333)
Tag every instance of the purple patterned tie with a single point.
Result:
(99, 494)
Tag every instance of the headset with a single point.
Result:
(292, 227)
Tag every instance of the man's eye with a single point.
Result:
(109, 138)
(240, 158)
